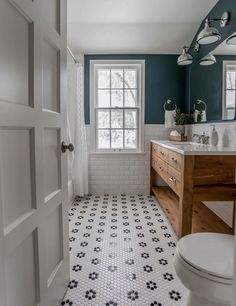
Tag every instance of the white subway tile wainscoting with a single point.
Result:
(115, 173)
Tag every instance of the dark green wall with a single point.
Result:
(206, 84)
(163, 79)
(216, 12)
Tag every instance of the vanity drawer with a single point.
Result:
(154, 149)
(154, 164)
(161, 167)
(175, 160)
(173, 172)
(174, 180)
(154, 155)
(163, 153)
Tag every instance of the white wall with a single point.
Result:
(128, 173)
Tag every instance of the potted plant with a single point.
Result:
(181, 119)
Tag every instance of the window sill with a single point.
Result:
(118, 153)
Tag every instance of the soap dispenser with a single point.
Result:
(214, 137)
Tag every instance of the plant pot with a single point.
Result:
(180, 129)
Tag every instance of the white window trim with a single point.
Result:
(224, 111)
(93, 65)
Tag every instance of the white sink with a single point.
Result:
(193, 148)
(186, 143)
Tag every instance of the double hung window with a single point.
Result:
(117, 106)
(229, 94)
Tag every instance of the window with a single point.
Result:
(229, 98)
(117, 105)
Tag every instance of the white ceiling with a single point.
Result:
(134, 26)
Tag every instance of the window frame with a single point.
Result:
(224, 91)
(116, 64)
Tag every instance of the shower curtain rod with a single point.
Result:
(72, 55)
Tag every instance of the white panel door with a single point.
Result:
(34, 250)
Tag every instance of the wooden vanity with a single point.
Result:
(193, 173)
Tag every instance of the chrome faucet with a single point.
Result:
(201, 138)
(204, 139)
(196, 138)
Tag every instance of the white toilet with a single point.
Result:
(204, 263)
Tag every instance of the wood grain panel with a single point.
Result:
(191, 180)
(174, 184)
(163, 153)
(154, 155)
(162, 166)
(214, 161)
(186, 197)
(173, 172)
(203, 219)
(175, 160)
(170, 204)
(154, 148)
(211, 170)
(220, 175)
(215, 193)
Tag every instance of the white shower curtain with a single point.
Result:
(77, 132)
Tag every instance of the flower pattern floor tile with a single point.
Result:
(121, 252)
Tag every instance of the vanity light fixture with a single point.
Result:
(185, 58)
(231, 40)
(207, 60)
(210, 34)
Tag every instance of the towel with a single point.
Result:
(169, 118)
(197, 112)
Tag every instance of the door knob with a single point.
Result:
(65, 147)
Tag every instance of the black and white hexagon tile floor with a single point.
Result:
(121, 251)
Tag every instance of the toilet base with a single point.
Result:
(195, 300)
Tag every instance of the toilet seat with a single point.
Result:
(208, 254)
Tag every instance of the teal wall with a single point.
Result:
(164, 79)
(206, 84)
(216, 12)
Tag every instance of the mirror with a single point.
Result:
(215, 85)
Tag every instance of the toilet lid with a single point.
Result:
(209, 252)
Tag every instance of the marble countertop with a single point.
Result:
(192, 148)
